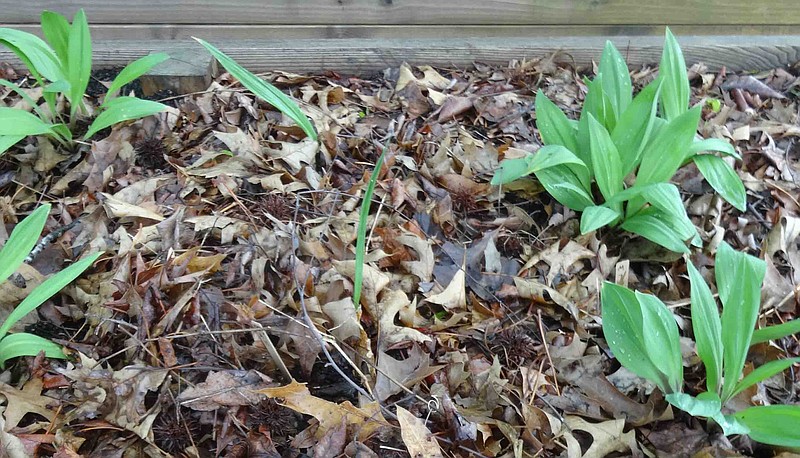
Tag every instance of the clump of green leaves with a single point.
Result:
(62, 65)
(12, 255)
(643, 335)
(263, 89)
(629, 148)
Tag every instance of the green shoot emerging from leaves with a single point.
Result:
(629, 148)
(62, 65)
(643, 335)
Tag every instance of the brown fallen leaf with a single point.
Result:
(750, 84)
(28, 399)
(225, 388)
(418, 438)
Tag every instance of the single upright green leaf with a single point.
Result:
(667, 151)
(21, 123)
(776, 332)
(605, 160)
(676, 91)
(662, 340)
(616, 79)
(635, 126)
(556, 129)
(595, 217)
(361, 235)
(774, 425)
(79, 63)
(764, 372)
(45, 291)
(565, 187)
(707, 328)
(739, 277)
(723, 179)
(37, 56)
(263, 89)
(623, 330)
(123, 109)
(56, 31)
(21, 241)
(134, 70)
(24, 344)
(667, 199)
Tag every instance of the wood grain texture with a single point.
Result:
(420, 12)
(263, 32)
(361, 56)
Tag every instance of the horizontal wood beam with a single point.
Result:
(389, 12)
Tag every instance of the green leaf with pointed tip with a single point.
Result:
(37, 56)
(635, 127)
(623, 330)
(650, 224)
(662, 340)
(713, 144)
(595, 217)
(776, 332)
(263, 89)
(123, 109)
(134, 70)
(707, 328)
(667, 151)
(606, 163)
(7, 141)
(565, 187)
(17, 122)
(723, 179)
(361, 234)
(45, 291)
(56, 31)
(24, 344)
(546, 157)
(764, 372)
(556, 129)
(616, 79)
(672, 69)
(21, 241)
(704, 405)
(79, 62)
(774, 425)
(730, 425)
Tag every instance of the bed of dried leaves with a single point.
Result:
(220, 321)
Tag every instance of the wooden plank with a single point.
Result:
(263, 32)
(420, 12)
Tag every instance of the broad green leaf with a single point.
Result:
(37, 56)
(21, 241)
(672, 69)
(134, 70)
(17, 122)
(635, 192)
(595, 217)
(723, 179)
(565, 187)
(635, 126)
(616, 79)
(662, 340)
(79, 61)
(730, 425)
(764, 372)
(775, 425)
(122, 109)
(712, 144)
(707, 328)
(7, 141)
(18, 90)
(56, 31)
(739, 278)
(556, 129)
(668, 201)
(776, 332)
(60, 86)
(24, 344)
(46, 290)
(650, 225)
(546, 157)
(622, 327)
(667, 151)
(606, 163)
(704, 405)
(263, 89)
(361, 236)
(596, 105)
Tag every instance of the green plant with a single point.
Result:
(263, 89)
(643, 335)
(62, 65)
(12, 255)
(629, 148)
(361, 230)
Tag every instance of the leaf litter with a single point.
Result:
(220, 321)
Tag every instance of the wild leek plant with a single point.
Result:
(629, 147)
(62, 65)
(643, 335)
(19, 244)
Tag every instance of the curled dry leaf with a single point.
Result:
(419, 440)
(225, 388)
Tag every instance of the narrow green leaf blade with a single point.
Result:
(713, 144)
(546, 157)
(554, 126)
(635, 127)
(595, 217)
(623, 330)
(21, 123)
(46, 290)
(24, 344)
(361, 236)
(764, 372)
(707, 328)
(605, 160)
(123, 109)
(56, 31)
(723, 179)
(704, 405)
(263, 89)
(79, 63)
(676, 91)
(21, 241)
(37, 56)
(776, 332)
(7, 141)
(661, 339)
(774, 425)
(650, 225)
(668, 149)
(134, 70)
(616, 79)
